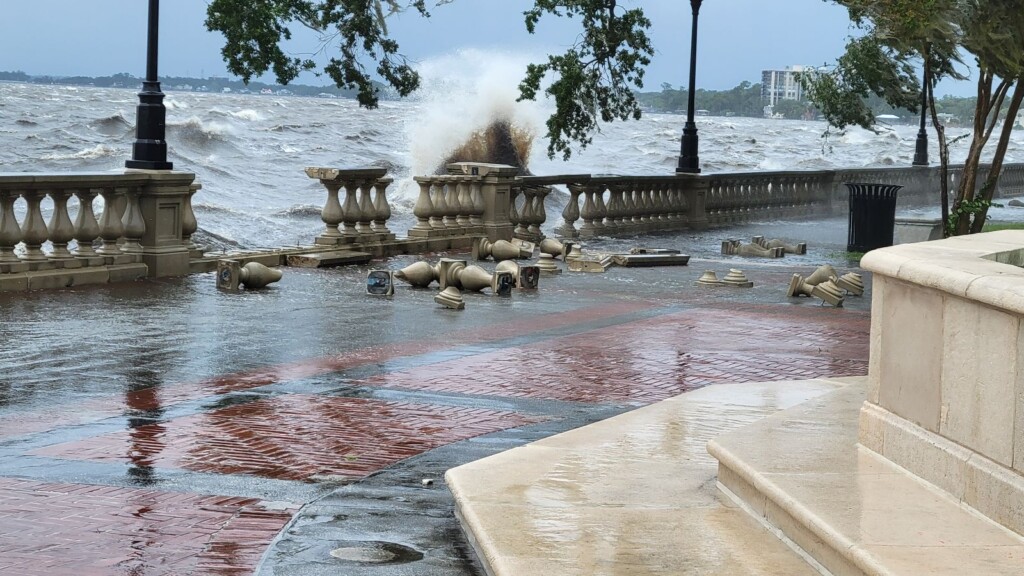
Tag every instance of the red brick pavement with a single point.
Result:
(51, 529)
(81, 530)
(29, 422)
(293, 437)
(650, 360)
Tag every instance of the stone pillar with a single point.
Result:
(162, 203)
(496, 184)
(694, 189)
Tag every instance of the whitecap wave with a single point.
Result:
(98, 151)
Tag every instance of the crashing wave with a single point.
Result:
(500, 143)
(195, 131)
(98, 151)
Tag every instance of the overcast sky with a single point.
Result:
(737, 39)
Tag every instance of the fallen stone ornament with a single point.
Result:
(502, 283)
(556, 248)
(828, 293)
(231, 275)
(735, 248)
(546, 264)
(474, 278)
(823, 273)
(798, 248)
(450, 297)
(709, 278)
(418, 274)
(499, 250)
(737, 278)
(852, 282)
(575, 252)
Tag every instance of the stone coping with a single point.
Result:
(71, 179)
(982, 267)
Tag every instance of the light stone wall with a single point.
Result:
(946, 400)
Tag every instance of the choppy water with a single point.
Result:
(250, 150)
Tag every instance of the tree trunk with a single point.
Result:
(989, 188)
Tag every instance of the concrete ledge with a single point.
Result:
(631, 495)
(801, 472)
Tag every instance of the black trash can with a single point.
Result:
(872, 216)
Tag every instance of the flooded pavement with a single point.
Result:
(163, 427)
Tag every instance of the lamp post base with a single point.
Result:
(689, 161)
(921, 152)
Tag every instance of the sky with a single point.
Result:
(736, 40)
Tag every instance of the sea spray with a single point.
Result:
(462, 95)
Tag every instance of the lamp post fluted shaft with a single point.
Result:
(689, 160)
(149, 152)
(921, 150)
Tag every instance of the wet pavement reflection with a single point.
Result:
(173, 429)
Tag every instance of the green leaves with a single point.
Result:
(255, 29)
(592, 81)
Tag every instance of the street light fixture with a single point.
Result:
(149, 152)
(689, 162)
(921, 152)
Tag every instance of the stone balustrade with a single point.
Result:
(627, 205)
(362, 217)
(145, 217)
(448, 205)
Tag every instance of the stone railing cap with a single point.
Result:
(321, 173)
(72, 179)
(971, 267)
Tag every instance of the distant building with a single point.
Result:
(785, 84)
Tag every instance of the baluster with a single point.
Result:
(440, 206)
(587, 213)
(513, 210)
(539, 213)
(476, 217)
(462, 219)
(10, 232)
(613, 210)
(523, 228)
(629, 217)
(454, 206)
(134, 224)
(331, 213)
(111, 227)
(658, 216)
(350, 211)
(189, 224)
(571, 212)
(34, 231)
(61, 229)
(423, 210)
(600, 211)
(645, 206)
(381, 209)
(86, 227)
(366, 212)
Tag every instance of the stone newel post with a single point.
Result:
(496, 185)
(162, 201)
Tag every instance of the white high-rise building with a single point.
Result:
(783, 84)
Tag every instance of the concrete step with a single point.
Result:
(802, 474)
(632, 495)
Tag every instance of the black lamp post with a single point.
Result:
(150, 150)
(921, 152)
(689, 161)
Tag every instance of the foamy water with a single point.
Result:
(249, 151)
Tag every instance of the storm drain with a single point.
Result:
(376, 553)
